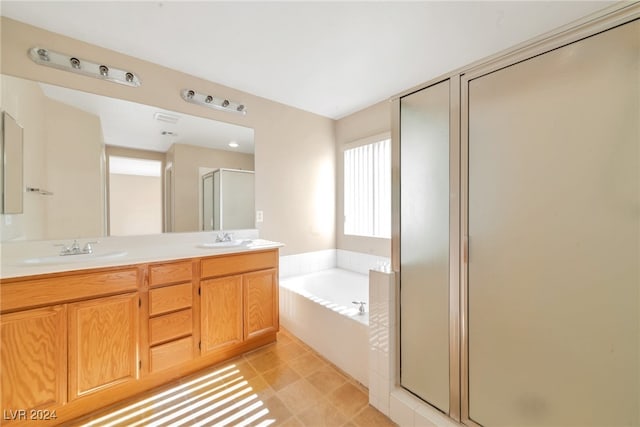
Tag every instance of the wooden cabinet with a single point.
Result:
(77, 341)
(221, 313)
(33, 351)
(240, 302)
(103, 343)
(260, 303)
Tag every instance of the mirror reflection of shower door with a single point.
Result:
(424, 244)
(236, 199)
(554, 235)
(217, 214)
(228, 200)
(207, 202)
(168, 199)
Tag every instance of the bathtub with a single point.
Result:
(317, 307)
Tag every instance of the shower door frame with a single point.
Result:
(454, 231)
(598, 22)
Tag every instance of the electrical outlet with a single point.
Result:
(259, 216)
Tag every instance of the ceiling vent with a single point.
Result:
(166, 118)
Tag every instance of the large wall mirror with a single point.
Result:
(105, 166)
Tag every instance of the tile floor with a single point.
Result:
(281, 384)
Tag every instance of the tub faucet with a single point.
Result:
(361, 308)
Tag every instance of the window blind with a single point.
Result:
(367, 190)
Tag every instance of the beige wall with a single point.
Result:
(187, 160)
(74, 157)
(62, 154)
(371, 121)
(295, 150)
(135, 205)
(112, 150)
(24, 101)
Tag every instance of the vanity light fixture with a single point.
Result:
(194, 97)
(65, 62)
(234, 144)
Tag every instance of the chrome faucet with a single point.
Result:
(361, 308)
(75, 249)
(224, 237)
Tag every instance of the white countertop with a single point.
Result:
(29, 258)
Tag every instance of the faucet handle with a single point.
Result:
(361, 309)
(87, 247)
(66, 249)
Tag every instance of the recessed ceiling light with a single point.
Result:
(234, 144)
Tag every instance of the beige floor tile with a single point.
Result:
(348, 399)
(258, 352)
(307, 364)
(265, 361)
(280, 377)
(290, 391)
(285, 338)
(278, 410)
(326, 379)
(261, 387)
(371, 417)
(320, 415)
(292, 422)
(290, 351)
(299, 395)
(244, 368)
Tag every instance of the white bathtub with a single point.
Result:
(317, 308)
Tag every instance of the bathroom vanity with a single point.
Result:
(78, 340)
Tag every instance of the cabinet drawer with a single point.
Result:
(172, 353)
(170, 326)
(175, 272)
(170, 298)
(234, 264)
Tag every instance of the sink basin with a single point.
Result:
(70, 259)
(229, 244)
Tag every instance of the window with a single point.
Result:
(367, 190)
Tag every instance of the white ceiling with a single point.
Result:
(330, 58)
(128, 124)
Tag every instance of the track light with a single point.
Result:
(212, 102)
(65, 62)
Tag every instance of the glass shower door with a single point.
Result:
(424, 244)
(554, 237)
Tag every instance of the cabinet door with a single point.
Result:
(34, 358)
(260, 303)
(221, 312)
(103, 343)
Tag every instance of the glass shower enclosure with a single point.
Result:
(228, 200)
